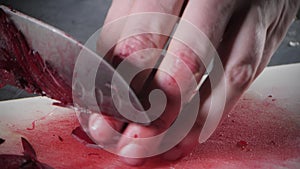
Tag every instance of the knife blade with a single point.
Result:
(78, 65)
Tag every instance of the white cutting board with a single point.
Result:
(282, 82)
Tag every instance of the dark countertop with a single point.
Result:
(81, 19)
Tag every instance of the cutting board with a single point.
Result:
(262, 131)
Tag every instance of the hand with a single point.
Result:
(245, 34)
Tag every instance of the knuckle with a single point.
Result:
(181, 71)
(186, 57)
(240, 76)
(127, 47)
(168, 6)
(133, 44)
(167, 83)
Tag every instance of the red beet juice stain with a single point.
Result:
(242, 144)
(32, 126)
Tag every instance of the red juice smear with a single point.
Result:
(69, 153)
(271, 134)
(32, 126)
(33, 123)
(242, 144)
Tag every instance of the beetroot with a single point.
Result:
(28, 160)
(23, 67)
(82, 137)
(2, 140)
(28, 149)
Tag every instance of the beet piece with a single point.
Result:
(60, 139)
(81, 136)
(2, 140)
(23, 67)
(8, 161)
(28, 149)
(11, 161)
(28, 160)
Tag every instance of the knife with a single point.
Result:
(77, 65)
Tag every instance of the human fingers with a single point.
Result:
(139, 31)
(281, 16)
(241, 52)
(180, 67)
(111, 32)
(146, 30)
(100, 125)
(193, 45)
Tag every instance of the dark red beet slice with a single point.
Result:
(23, 67)
(28, 160)
(81, 136)
(8, 161)
(28, 149)
(11, 161)
(60, 139)
(2, 140)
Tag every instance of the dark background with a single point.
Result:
(81, 18)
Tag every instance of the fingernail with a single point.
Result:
(173, 155)
(133, 154)
(94, 122)
(98, 129)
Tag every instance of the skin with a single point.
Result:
(245, 34)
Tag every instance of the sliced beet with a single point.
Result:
(28, 160)
(28, 149)
(60, 138)
(2, 140)
(81, 136)
(8, 161)
(11, 161)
